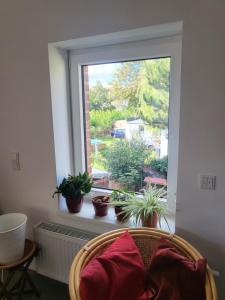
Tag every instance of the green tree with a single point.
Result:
(99, 97)
(145, 85)
(160, 165)
(125, 84)
(125, 160)
(153, 91)
(102, 120)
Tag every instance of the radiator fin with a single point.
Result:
(67, 230)
(59, 244)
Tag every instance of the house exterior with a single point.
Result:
(139, 128)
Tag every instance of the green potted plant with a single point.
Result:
(73, 188)
(116, 197)
(147, 208)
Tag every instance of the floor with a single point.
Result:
(50, 289)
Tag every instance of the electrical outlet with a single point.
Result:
(207, 182)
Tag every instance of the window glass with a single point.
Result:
(126, 108)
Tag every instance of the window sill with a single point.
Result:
(87, 220)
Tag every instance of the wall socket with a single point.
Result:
(207, 182)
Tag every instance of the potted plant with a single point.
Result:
(73, 188)
(147, 208)
(100, 204)
(118, 199)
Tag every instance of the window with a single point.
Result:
(126, 107)
(125, 98)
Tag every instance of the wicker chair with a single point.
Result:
(146, 240)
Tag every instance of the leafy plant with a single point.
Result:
(119, 196)
(99, 97)
(118, 199)
(125, 161)
(160, 165)
(145, 85)
(75, 186)
(102, 120)
(144, 206)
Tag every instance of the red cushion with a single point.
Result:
(171, 275)
(117, 274)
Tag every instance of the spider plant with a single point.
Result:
(145, 206)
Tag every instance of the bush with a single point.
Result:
(102, 120)
(125, 161)
(160, 165)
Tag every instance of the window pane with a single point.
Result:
(126, 122)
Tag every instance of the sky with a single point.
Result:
(102, 73)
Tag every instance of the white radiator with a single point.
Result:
(59, 244)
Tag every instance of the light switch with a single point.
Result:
(207, 182)
(15, 159)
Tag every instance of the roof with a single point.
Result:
(155, 180)
(137, 121)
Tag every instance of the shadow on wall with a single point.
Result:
(215, 254)
(35, 215)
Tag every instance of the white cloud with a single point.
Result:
(102, 73)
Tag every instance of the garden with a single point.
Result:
(129, 125)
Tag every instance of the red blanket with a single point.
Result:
(172, 276)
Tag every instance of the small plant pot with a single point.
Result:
(120, 215)
(74, 205)
(100, 204)
(151, 221)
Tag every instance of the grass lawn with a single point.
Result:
(107, 140)
(99, 158)
(99, 165)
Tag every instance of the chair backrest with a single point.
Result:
(146, 240)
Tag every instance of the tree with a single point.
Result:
(99, 97)
(102, 120)
(160, 165)
(125, 160)
(154, 91)
(145, 84)
(125, 84)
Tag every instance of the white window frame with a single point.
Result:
(147, 49)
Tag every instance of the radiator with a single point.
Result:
(59, 244)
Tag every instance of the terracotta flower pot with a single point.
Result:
(100, 204)
(74, 204)
(151, 221)
(119, 214)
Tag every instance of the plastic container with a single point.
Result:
(12, 237)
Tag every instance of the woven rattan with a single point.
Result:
(146, 240)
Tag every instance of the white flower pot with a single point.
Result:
(12, 237)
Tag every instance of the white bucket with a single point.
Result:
(12, 237)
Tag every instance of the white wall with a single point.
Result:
(26, 26)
